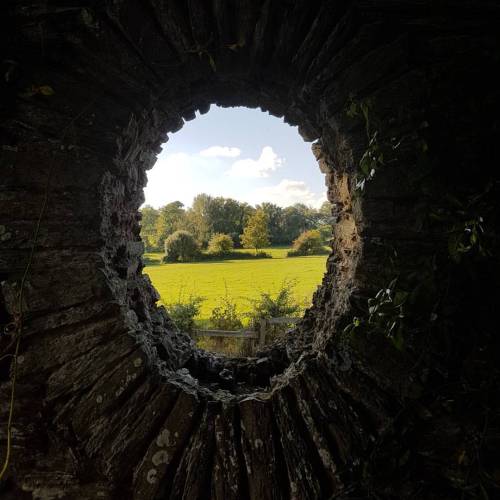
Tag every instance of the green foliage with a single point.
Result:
(220, 244)
(170, 219)
(286, 224)
(275, 221)
(381, 149)
(373, 157)
(308, 243)
(325, 212)
(297, 219)
(360, 108)
(326, 233)
(232, 255)
(225, 315)
(256, 234)
(183, 313)
(466, 221)
(34, 90)
(281, 304)
(228, 216)
(149, 216)
(385, 314)
(198, 218)
(149, 262)
(371, 161)
(211, 215)
(466, 237)
(180, 246)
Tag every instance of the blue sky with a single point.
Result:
(239, 153)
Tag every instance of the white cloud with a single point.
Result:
(286, 193)
(267, 162)
(181, 176)
(220, 151)
(174, 177)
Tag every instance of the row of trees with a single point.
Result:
(218, 215)
(182, 245)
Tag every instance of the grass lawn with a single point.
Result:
(244, 279)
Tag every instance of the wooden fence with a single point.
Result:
(260, 335)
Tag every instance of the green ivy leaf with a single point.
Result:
(46, 90)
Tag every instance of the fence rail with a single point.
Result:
(249, 334)
(234, 334)
(281, 321)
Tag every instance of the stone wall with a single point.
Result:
(110, 400)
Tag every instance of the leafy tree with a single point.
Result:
(149, 216)
(241, 218)
(274, 215)
(198, 218)
(210, 215)
(171, 217)
(308, 243)
(219, 215)
(326, 209)
(326, 232)
(220, 244)
(294, 223)
(256, 235)
(325, 216)
(180, 246)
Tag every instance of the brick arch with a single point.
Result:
(111, 401)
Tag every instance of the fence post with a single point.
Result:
(262, 332)
(219, 343)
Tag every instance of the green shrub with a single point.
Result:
(283, 304)
(258, 255)
(180, 246)
(183, 313)
(308, 243)
(225, 315)
(220, 244)
(202, 257)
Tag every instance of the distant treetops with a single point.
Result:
(221, 224)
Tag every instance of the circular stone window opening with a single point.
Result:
(236, 228)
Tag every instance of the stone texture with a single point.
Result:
(111, 401)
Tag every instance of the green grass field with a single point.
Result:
(244, 279)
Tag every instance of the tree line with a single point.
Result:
(209, 216)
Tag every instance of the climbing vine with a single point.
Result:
(385, 314)
(420, 308)
(467, 221)
(381, 150)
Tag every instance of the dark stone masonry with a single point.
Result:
(101, 397)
